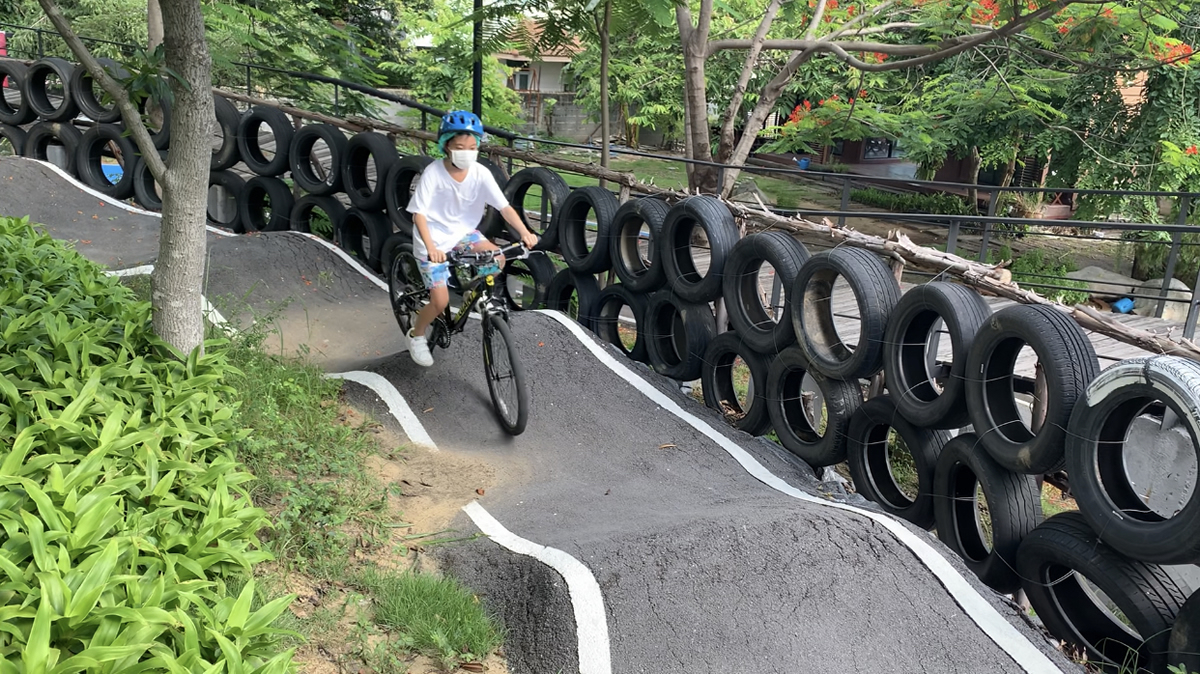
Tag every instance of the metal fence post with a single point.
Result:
(41, 47)
(952, 238)
(249, 84)
(845, 201)
(1189, 325)
(993, 197)
(337, 103)
(720, 180)
(511, 145)
(1185, 203)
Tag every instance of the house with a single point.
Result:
(547, 98)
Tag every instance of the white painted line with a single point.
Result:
(99, 195)
(214, 316)
(345, 256)
(586, 599)
(131, 271)
(396, 403)
(1002, 632)
(109, 200)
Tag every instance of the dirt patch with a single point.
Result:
(426, 490)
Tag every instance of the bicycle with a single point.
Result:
(501, 364)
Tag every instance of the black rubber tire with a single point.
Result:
(85, 95)
(361, 150)
(677, 335)
(302, 212)
(236, 187)
(372, 226)
(743, 296)
(398, 188)
(555, 190)
(497, 337)
(15, 136)
(38, 137)
(406, 289)
(90, 151)
(248, 143)
(300, 157)
(39, 99)
(716, 382)
(867, 453)
(1069, 362)
(537, 267)
(638, 274)
(23, 114)
(1144, 593)
(573, 225)
(905, 363)
(586, 289)
(261, 191)
(876, 293)
(162, 137)
(493, 226)
(145, 192)
(675, 250)
(1096, 458)
(228, 120)
(607, 319)
(1013, 502)
(391, 248)
(1184, 646)
(797, 434)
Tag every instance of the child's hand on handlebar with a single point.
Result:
(529, 239)
(436, 256)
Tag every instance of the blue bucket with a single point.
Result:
(113, 172)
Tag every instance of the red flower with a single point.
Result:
(807, 105)
(880, 56)
(987, 12)
(833, 4)
(1191, 150)
(862, 93)
(850, 10)
(1031, 5)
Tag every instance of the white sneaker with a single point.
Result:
(418, 347)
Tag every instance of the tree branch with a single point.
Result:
(739, 90)
(133, 120)
(811, 33)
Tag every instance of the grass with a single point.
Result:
(432, 615)
(326, 506)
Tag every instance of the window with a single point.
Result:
(882, 148)
(522, 80)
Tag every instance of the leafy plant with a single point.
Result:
(938, 204)
(124, 510)
(1033, 269)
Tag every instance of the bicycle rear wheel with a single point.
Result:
(505, 375)
(405, 287)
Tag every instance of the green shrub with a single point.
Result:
(1032, 268)
(935, 204)
(123, 509)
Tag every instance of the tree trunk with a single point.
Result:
(605, 113)
(179, 272)
(726, 142)
(695, 51)
(154, 23)
(973, 178)
(766, 102)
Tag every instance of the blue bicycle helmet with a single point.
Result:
(456, 122)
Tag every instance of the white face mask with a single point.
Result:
(463, 158)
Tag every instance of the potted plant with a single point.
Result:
(1028, 204)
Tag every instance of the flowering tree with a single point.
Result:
(876, 36)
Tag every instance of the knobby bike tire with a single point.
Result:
(497, 338)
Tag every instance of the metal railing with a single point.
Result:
(986, 225)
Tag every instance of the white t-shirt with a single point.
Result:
(452, 209)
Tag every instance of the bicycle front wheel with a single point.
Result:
(505, 375)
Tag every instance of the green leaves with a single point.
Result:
(121, 509)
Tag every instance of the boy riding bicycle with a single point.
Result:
(447, 206)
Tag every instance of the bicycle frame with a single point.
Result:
(478, 291)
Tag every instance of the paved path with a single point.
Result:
(701, 566)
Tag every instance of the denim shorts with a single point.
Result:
(436, 274)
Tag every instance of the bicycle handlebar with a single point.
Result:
(485, 256)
